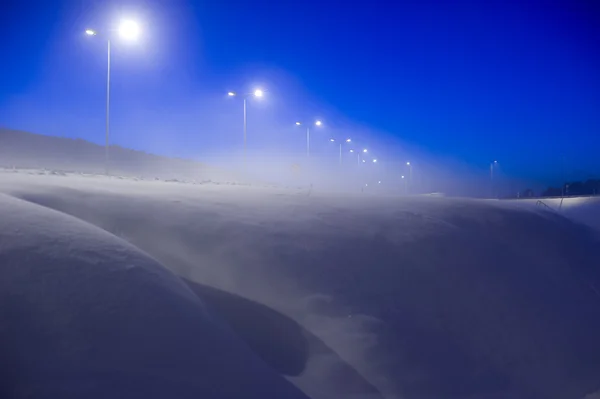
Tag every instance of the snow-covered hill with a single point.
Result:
(83, 314)
(27, 150)
(404, 297)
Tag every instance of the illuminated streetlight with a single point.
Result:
(256, 93)
(364, 151)
(351, 150)
(128, 30)
(342, 142)
(317, 123)
(375, 161)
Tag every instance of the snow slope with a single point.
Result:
(28, 150)
(411, 298)
(585, 210)
(83, 314)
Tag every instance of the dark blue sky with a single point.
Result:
(473, 81)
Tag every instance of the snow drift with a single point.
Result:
(84, 314)
(416, 297)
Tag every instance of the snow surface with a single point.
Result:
(83, 314)
(585, 210)
(364, 296)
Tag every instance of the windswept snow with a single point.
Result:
(399, 297)
(585, 210)
(83, 314)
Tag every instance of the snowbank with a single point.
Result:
(83, 314)
(421, 297)
(585, 210)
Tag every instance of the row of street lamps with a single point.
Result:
(129, 30)
(258, 93)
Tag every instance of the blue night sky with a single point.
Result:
(517, 81)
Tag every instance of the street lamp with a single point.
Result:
(317, 123)
(128, 30)
(258, 93)
(364, 151)
(375, 161)
(342, 142)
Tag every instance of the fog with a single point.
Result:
(324, 170)
(208, 127)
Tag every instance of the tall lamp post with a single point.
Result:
(341, 143)
(258, 93)
(317, 123)
(128, 30)
(364, 151)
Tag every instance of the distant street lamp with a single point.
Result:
(317, 123)
(258, 93)
(128, 30)
(364, 151)
(341, 142)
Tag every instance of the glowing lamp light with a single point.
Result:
(129, 30)
(90, 32)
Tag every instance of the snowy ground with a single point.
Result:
(347, 296)
(585, 210)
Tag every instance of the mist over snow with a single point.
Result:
(347, 295)
(207, 127)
